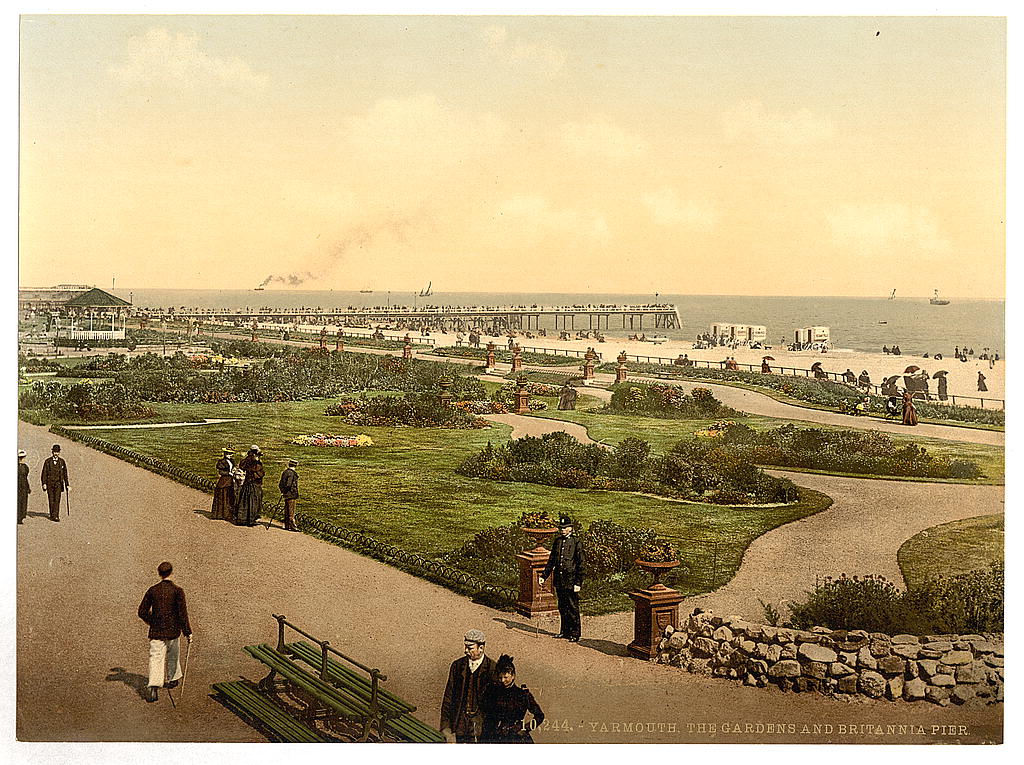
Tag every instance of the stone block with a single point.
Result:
(994, 661)
(785, 668)
(677, 640)
(880, 647)
(759, 667)
(773, 654)
(748, 647)
(912, 670)
(937, 695)
(956, 658)
(815, 669)
(761, 651)
(891, 665)
(838, 669)
(906, 650)
(789, 651)
(846, 684)
(817, 653)
(848, 657)
(806, 684)
(894, 688)
(914, 689)
(821, 630)
(865, 660)
(942, 681)
(858, 635)
(982, 646)
(750, 679)
(872, 684)
(928, 653)
(963, 693)
(970, 673)
(938, 645)
(929, 668)
(906, 639)
(722, 633)
(703, 646)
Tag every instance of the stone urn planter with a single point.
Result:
(657, 569)
(535, 598)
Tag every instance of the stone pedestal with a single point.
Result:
(407, 351)
(323, 339)
(517, 360)
(339, 343)
(522, 401)
(535, 599)
(490, 356)
(444, 398)
(653, 609)
(588, 370)
(620, 373)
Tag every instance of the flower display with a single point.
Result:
(326, 439)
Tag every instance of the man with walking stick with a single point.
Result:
(289, 486)
(163, 609)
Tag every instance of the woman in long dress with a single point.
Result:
(505, 705)
(909, 412)
(981, 382)
(250, 498)
(224, 491)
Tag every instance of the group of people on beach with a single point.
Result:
(238, 493)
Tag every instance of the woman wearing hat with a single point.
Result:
(505, 705)
(224, 491)
(250, 498)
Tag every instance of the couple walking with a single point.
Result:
(238, 493)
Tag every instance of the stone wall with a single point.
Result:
(937, 668)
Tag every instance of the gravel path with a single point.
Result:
(82, 651)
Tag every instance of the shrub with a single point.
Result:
(667, 401)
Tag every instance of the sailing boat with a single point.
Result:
(937, 301)
(426, 292)
(893, 295)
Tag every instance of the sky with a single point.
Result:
(679, 155)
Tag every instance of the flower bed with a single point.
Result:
(505, 356)
(416, 410)
(326, 439)
(668, 401)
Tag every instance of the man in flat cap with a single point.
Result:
(468, 678)
(289, 486)
(55, 480)
(163, 609)
(23, 488)
(566, 563)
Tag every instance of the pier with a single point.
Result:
(565, 318)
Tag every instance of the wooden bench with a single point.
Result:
(397, 713)
(245, 699)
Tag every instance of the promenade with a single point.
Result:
(80, 581)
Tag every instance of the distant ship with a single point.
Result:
(937, 300)
(893, 295)
(366, 291)
(259, 289)
(426, 292)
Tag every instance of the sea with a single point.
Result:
(857, 323)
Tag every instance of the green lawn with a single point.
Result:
(952, 548)
(664, 433)
(404, 490)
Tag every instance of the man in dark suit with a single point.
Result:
(55, 480)
(23, 488)
(163, 609)
(289, 486)
(566, 562)
(468, 678)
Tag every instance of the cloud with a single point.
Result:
(174, 59)
(891, 229)
(668, 209)
(601, 139)
(419, 129)
(536, 212)
(751, 120)
(540, 58)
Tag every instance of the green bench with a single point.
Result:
(396, 713)
(245, 699)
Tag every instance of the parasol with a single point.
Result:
(768, 358)
(940, 373)
(910, 370)
(815, 365)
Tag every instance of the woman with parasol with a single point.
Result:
(909, 412)
(765, 368)
(941, 384)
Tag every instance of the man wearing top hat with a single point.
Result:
(23, 488)
(566, 563)
(55, 480)
(289, 486)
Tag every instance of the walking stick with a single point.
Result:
(273, 513)
(184, 674)
(67, 496)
